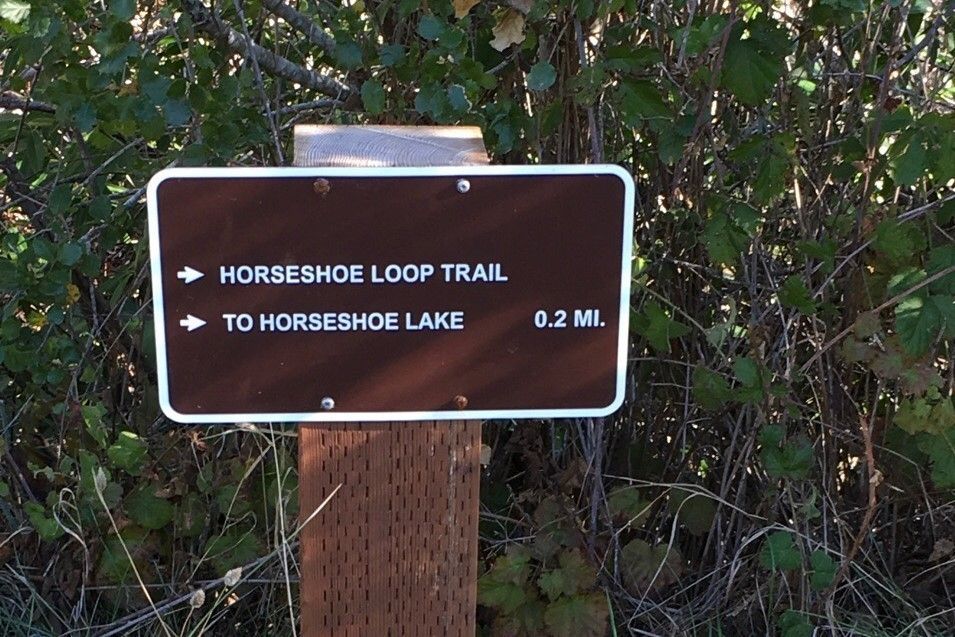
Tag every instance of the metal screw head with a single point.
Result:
(463, 186)
(328, 403)
(321, 186)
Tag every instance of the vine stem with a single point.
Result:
(875, 479)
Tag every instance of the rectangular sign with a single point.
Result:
(349, 294)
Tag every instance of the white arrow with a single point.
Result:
(191, 322)
(189, 275)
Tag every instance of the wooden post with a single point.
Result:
(395, 551)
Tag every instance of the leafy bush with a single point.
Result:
(786, 457)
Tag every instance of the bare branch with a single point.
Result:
(302, 23)
(268, 61)
(14, 101)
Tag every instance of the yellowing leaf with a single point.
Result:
(72, 294)
(461, 7)
(509, 30)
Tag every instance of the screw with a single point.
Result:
(460, 401)
(321, 186)
(328, 403)
(463, 186)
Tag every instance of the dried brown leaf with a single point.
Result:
(462, 7)
(508, 30)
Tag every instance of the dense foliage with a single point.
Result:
(786, 458)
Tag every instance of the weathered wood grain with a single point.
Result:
(331, 145)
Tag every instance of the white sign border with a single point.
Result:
(388, 172)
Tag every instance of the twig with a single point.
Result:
(302, 23)
(14, 101)
(309, 106)
(260, 85)
(875, 479)
(270, 62)
(596, 141)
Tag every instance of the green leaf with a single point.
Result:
(919, 320)
(525, 620)
(710, 389)
(823, 251)
(749, 74)
(541, 76)
(9, 275)
(659, 329)
(348, 55)
(148, 511)
(898, 242)
(699, 37)
(747, 371)
(431, 99)
(235, 547)
(911, 164)
(430, 27)
(93, 417)
(123, 9)
(45, 525)
(780, 553)
(177, 112)
(823, 570)
(794, 624)
(695, 511)
(391, 54)
(946, 212)
(458, 99)
(645, 568)
(772, 169)
(503, 596)
(504, 586)
(794, 293)
(70, 253)
(85, 117)
(578, 616)
(15, 11)
(642, 99)
(574, 576)
(627, 506)
(727, 233)
(772, 436)
(794, 460)
(128, 452)
(629, 58)
(373, 96)
(114, 566)
(941, 452)
(940, 259)
(154, 88)
(918, 415)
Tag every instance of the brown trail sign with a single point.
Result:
(337, 294)
(383, 294)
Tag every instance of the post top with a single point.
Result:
(343, 145)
